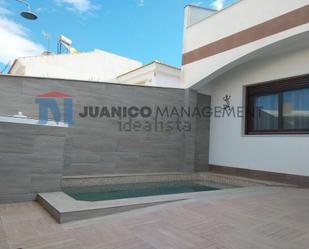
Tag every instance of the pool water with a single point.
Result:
(123, 191)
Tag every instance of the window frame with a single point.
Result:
(273, 87)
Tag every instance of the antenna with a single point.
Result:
(47, 38)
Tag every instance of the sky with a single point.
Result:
(144, 30)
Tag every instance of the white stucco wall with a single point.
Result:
(94, 66)
(194, 14)
(153, 74)
(238, 17)
(228, 144)
(168, 80)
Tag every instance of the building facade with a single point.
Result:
(153, 74)
(98, 66)
(257, 60)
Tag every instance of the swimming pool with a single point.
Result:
(124, 191)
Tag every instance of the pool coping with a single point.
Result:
(65, 208)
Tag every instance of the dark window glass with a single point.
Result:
(296, 109)
(278, 107)
(266, 113)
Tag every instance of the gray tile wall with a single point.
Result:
(202, 137)
(31, 160)
(95, 146)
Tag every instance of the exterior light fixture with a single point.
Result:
(27, 14)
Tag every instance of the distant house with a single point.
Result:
(153, 74)
(97, 65)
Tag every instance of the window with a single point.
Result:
(278, 107)
(267, 112)
(295, 111)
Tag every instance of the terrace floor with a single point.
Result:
(267, 217)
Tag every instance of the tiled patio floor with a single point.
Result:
(270, 219)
